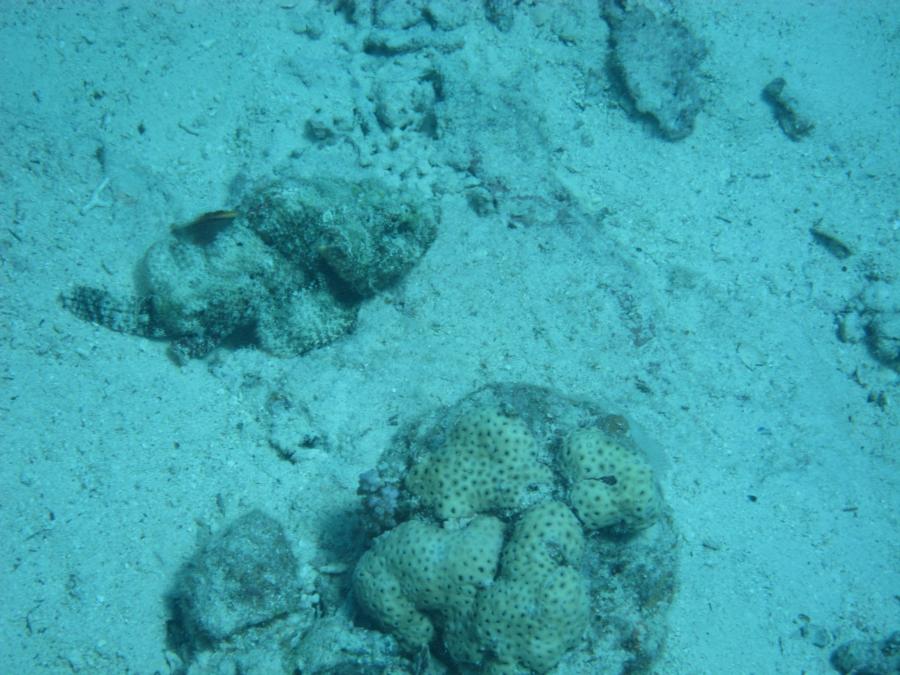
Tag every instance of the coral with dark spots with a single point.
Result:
(519, 530)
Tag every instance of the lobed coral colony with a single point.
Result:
(512, 539)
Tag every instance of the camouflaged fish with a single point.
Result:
(285, 272)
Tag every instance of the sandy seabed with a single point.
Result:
(679, 282)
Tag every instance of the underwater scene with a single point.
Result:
(437, 337)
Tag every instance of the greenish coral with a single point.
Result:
(610, 485)
(490, 463)
(419, 571)
(491, 558)
(538, 607)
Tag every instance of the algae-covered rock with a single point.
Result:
(244, 576)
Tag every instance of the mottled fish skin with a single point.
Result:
(123, 314)
(285, 272)
(187, 347)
